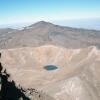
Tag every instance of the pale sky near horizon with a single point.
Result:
(74, 13)
(22, 11)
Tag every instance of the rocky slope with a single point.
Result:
(77, 76)
(47, 33)
(10, 91)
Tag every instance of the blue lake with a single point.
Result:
(50, 67)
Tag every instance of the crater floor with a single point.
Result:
(76, 74)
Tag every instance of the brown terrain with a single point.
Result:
(75, 53)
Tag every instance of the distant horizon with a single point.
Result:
(78, 23)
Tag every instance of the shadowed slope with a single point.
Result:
(8, 90)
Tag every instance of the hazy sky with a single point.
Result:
(19, 11)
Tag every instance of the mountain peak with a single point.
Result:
(41, 24)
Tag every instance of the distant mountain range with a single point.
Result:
(87, 23)
(47, 33)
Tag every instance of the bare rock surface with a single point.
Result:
(42, 33)
(76, 76)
